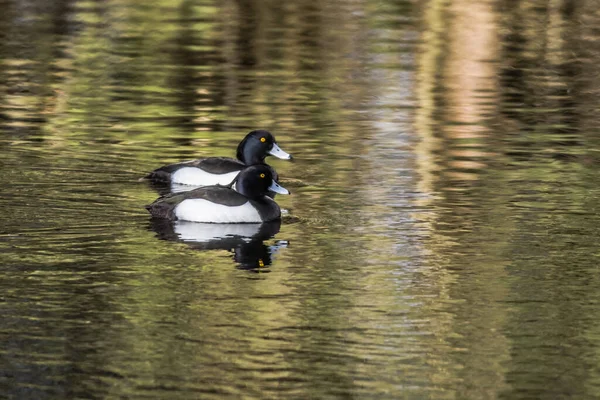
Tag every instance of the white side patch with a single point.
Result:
(200, 210)
(197, 177)
(199, 233)
(179, 187)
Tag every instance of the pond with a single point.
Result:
(440, 241)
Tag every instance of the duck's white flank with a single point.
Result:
(179, 187)
(196, 176)
(200, 210)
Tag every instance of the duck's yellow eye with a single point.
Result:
(262, 175)
(262, 139)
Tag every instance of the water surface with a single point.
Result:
(441, 236)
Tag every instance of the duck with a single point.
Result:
(253, 149)
(244, 200)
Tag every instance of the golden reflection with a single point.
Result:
(430, 51)
(457, 91)
(469, 74)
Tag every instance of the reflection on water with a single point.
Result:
(445, 200)
(245, 241)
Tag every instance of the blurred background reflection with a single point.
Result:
(442, 223)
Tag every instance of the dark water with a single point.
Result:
(441, 241)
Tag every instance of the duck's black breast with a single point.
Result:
(267, 209)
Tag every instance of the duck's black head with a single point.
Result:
(256, 181)
(257, 145)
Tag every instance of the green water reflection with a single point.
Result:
(441, 240)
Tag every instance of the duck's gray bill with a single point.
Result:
(277, 152)
(277, 188)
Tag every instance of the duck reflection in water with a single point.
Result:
(245, 241)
